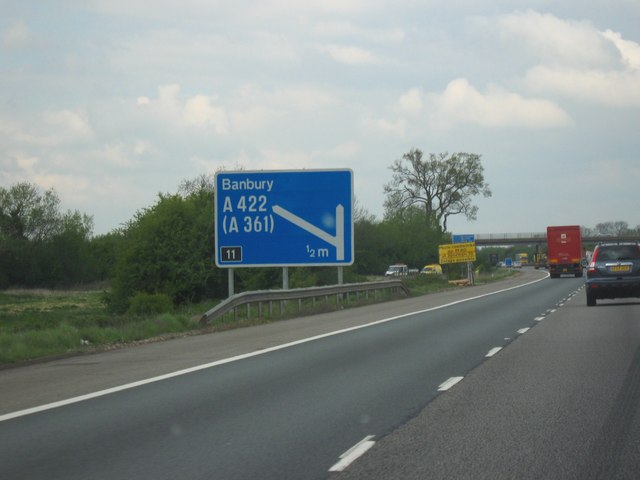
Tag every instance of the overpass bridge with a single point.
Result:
(505, 239)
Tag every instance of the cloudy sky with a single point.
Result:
(110, 102)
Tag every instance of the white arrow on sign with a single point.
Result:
(337, 240)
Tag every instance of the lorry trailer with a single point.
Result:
(564, 250)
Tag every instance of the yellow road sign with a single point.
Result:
(458, 252)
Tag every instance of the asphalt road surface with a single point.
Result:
(559, 403)
(287, 400)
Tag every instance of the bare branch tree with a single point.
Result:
(443, 185)
(616, 228)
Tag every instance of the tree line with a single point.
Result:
(42, 246)
(168, 248)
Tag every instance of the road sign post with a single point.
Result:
(459, 253)
(467, 238)
(284, 218)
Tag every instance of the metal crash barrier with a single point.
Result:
(263, 301)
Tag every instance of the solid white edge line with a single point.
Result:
(493, 351)
(355, 452)
(100, 393)
(449, 383)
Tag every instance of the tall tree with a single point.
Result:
(27, 214)
(443, 185)
(612, 228)
(39, 245)
(67, 258)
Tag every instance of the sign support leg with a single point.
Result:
(340, 275)
(285, 278)
(230, 282)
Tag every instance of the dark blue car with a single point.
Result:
(614, 272)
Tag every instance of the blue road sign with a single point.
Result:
(284, 218)
(465, 238)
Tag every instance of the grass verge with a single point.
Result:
(38, 324)
(41, 323)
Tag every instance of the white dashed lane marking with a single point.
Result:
(355, 452)
(493, 351)
(449, 383)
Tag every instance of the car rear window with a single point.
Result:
(618, 252)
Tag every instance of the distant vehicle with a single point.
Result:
(516, 265)
(397, 270)
(522, 258)
(540, 260)
(564, 250)
(614, 272)
(508, 262)
(432, 269)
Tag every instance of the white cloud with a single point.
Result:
(350, 55)
(69, 126)
(249, 107)
(398, 127)
(251, 119)
(198, 111)
(612, 88)
(575, 60)
(20, 167)
(203, 54)
(275, 8)
(168, 98)
(412, 102)
(256, 110)
(555, 40)
(271, 9)
(303, 98)
(629, 51)
(461, 103)
(344, 28)
(10, 130)
(144, 147)
(162, 8)
(330, 157)
(17, 36)
(27, 163)
(345, 151)
(277, 159)
(118, 155)
(46, 129)
(271, 47)
(15, 166)
(76, 187)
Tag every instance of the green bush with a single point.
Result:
(168, 249)
(144, 304)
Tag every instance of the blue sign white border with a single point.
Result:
(230, 264)
(463, 238)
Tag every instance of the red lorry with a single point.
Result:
(564, 250)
